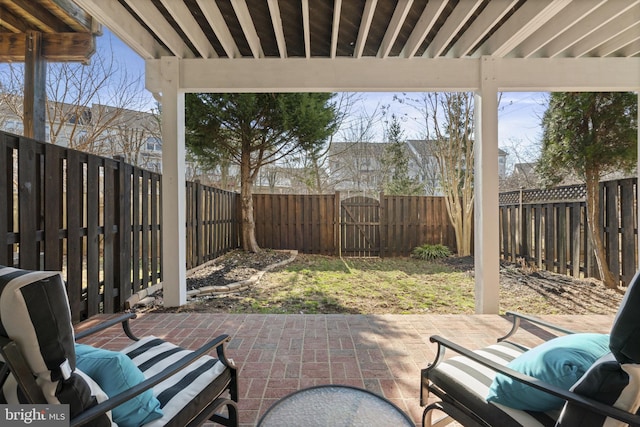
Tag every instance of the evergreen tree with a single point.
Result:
(253, 130)
(590, 134)
(396, 164)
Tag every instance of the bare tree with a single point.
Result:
(521, 165)
(88, 106)
(448, 128)
(356, 161)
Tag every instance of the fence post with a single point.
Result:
(123, 241)
(382, 225)
(336, 224)
(198, 226)
(28, 204)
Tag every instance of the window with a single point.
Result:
(154, 144)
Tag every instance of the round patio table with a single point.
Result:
(335, 406)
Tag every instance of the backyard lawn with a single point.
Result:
(319, 284)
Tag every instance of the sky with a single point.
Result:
(519, 114)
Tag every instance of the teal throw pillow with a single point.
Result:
(560, 362)
(114, 372)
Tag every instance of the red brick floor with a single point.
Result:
(279, 354)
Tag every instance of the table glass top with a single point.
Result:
(334, 406)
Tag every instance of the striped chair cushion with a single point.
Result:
(180, 394)
(468, 383)
(35, 314)
(609, 382)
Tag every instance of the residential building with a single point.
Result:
(359, 166)
(97, 129)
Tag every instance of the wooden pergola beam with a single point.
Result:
(12, 23)
(70, 13)
(35, 79)
(56, 47)
(37, 16)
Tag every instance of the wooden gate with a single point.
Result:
(360, 227)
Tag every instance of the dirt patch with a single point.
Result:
(234, 266)
(524, 288)
(521, 289)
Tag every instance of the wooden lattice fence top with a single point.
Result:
(569, 193)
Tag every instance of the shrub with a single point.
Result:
(430, 252)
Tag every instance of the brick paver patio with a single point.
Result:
(279, 354)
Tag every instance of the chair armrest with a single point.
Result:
(569, 396)
(126, 395)
(517, 317)
(17, 364)
(123, 318)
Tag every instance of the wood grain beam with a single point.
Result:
(55, 47)
(35, 79)
(37, 16)
(70, 13)
(12, 22)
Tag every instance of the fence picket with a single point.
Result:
(560, 239)
(99, 220)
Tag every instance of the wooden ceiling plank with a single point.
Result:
(603, 34)
(13, 23)
(429, 16)
(398, 18)
(115, 17)
(306, 28)
(557, 25)
(70, 13)
(335, 27)
(246, 23)
(632, 49)
(56, 47)
(216, 21)
(618, 42)
(153, 18)
(522, 24)
(183, 17)
(365, 25)
(39, 17)
(460, 15)
(488, 18)
(276, 21)
(590, 23)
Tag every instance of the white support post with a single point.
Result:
(486, 226)
(174, 241)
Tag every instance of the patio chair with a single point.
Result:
(571, 380)
(151, 382)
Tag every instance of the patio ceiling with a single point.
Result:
(239, 29)
(483, 46)
(68, 33)
(360, 44)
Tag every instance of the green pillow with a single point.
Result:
(560, 362)
(114, 372)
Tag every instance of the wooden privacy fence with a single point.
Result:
(313, 224)
(97, 220)
(303, 222)
(548, 229)
(212, 223)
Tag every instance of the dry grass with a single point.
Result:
(320, 284)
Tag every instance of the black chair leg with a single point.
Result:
(453, 413)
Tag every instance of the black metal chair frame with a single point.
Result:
(454, 409)
(16, 364)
